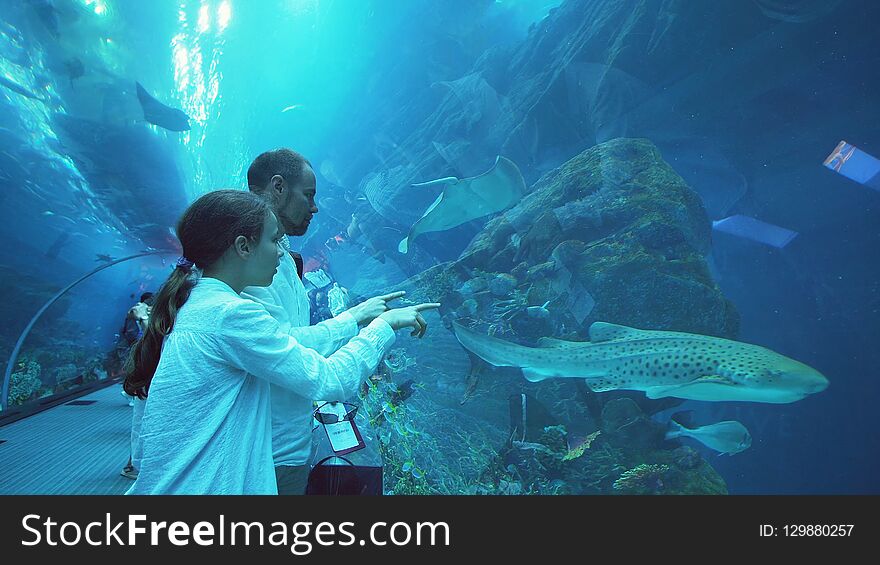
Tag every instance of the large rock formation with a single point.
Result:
(613, 235)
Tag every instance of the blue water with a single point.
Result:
(744, 99)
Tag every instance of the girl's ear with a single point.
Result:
(242, 246)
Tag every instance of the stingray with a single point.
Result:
(755, 230)
(55, 249)
(478, 99)
(463, 200)
(159, 114)
(797, 11)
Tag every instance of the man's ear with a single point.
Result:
(242, 246)
(277, 183)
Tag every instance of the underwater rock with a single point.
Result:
(620, 226)
(687, 457)
(625, 425)
(469, 307)
(473, 286)
(502, 284)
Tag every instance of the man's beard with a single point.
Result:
(299, 230)
(295, 229)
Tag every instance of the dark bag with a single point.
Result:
(355, 473)
(130, 331)
(337, 475)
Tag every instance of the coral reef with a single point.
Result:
(25, 383)
(43, 371)
(642, 479)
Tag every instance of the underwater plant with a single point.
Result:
(642, 479)
(579, 450)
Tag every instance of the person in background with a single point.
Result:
(208, 356)
(140, 312)
(136, 320)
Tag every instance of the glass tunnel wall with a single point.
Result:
(702, 167)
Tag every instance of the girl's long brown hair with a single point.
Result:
(206, 230)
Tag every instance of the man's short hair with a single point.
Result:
(285, 162)
(146, 296)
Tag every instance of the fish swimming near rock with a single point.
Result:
(659, 363)
(463, 200)
(159, 114)
(727, 437)
(55, 249)
(74, 68)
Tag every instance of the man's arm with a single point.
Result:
(328, 336)
(253, 341)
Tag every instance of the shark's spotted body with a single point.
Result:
(660, 363)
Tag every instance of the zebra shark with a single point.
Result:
(660, 363)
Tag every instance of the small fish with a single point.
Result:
(74, 68)
(727, 437)
(539, 311)
(402, 392)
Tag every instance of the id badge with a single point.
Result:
(343, 435)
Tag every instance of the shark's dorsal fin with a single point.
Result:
(605, 331)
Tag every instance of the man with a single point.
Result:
(286, 179)
(136, 319)
(140, 312)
